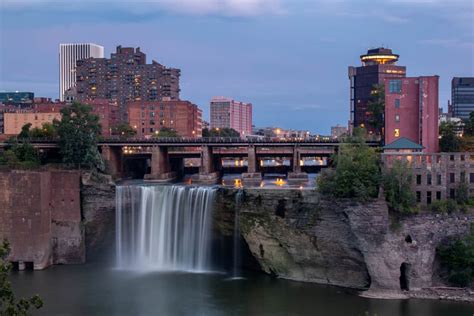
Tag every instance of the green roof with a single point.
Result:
(403, 143)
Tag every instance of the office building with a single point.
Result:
(411, 111)
(338, 131)
(228, 113)
(377, 65)
(149, 117)
(69, 54)
(125, 77)
(17, 98)
(462, 97)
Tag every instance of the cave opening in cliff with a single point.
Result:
(408, 239)
(405, 276)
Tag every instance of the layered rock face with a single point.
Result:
(294, 234)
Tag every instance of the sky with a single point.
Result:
(289, 58)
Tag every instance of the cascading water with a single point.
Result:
(164, 227)
(236, 247)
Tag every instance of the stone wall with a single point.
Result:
(294, 234)
(40, 215)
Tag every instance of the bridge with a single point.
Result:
(165, 156)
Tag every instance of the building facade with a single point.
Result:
(377, 64)
(125, 77)
(17, 98)
(69, 54)
(13, 122)
(228, 113)
(411, 111)
(462, 96)
(436, 176)
(338, 131)
(149, 117)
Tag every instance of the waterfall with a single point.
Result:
(236, 247)
(164, 227)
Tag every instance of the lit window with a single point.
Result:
(397, 132)
(397, 118)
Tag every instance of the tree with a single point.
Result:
(25, 131)
(397, 182)
(469, 125)
(448, 142)
(78, 133)
(376, 107)
(9, 304)
(123, 130)
(47, 130)
(220, 132)
(355, 172)
(458, 259)
(167, 132)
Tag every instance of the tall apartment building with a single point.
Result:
(69, 54)
(411, 111)
(462, 96)
(149, 117)
(125, 77)
(228, 113)
(377, 65)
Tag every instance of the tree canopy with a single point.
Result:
(355, 172)
(78, 132)
(449, 141)
(167, 132)
(220, 132)
(376, 107)
(123, 130)
(397, 181)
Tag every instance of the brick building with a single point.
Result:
(377, 65)
(125, 77)
(14, 121)
(411, 111)
(228, 113)
(149, 117)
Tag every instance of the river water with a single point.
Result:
(96, 289)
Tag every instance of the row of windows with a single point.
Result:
(452, 178)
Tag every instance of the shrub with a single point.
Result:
(397, 187)
(458, 258)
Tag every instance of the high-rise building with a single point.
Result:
(125, 77)
(411, 111)
(338, 131)
(149, 117)
(69, 54)
(228, 113)
(377, 64)
(462, 96)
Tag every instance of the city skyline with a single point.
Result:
(236, 49)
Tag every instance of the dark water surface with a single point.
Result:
(95, 289)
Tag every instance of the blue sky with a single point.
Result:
(288, 57)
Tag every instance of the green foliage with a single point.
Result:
(20, 155)
(458, 258)
(9, 304)
(47, 130)
(78, 133)
(25, 131)
(220, 132)
(469, 125)
(123, 130)
(397, 187)
(376, 107)
(444, 206)
(355, 172)
(462, 193)
(167, 132)
(448, 142)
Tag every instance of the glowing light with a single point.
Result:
(397, 132)
(237, 183)
(279, 182)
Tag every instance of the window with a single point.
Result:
(438, 181)
(397, 103)
(462, 157)
(463, 176)
(451, 157)
(428, 179)
(395, 86)
(418, 179)
(428, 197)
(471, 177)
(451, 178)
(397, 132)
(438, 195)
(418, 196)
(452, 194)
(397, 118)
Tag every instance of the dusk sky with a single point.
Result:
(287, 57)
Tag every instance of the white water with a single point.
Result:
(236, 247)
(164, 227)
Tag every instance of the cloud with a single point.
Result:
(449, 42)
(230, 8)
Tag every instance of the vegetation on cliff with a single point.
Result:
(20, 155)
(9, 304)
(355, 173)
(397, 188)
(458, 259)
